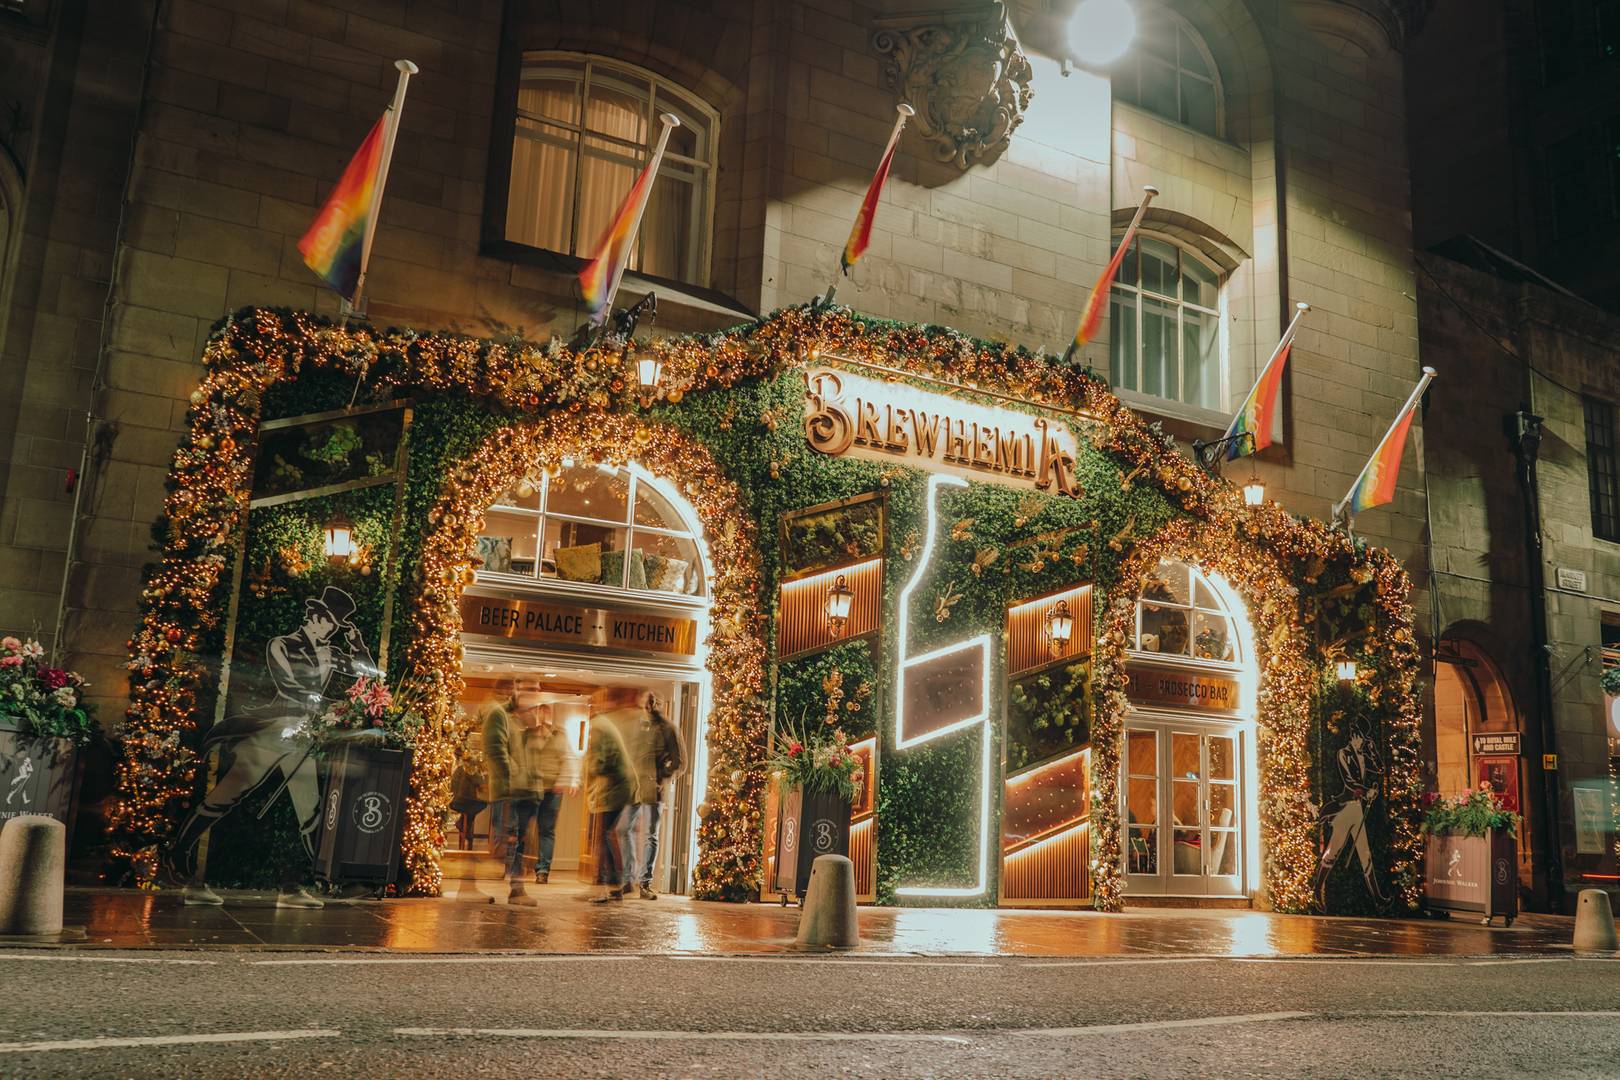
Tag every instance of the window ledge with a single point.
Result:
(699, 297)
(1173, 410)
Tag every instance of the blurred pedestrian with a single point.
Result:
(613, 714)
(511, 790)
(656, 758)
(553, 772)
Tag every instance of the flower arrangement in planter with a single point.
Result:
(39, 700)
(1611, 680)
(818, 764)
(1473, 814)
(370, 713)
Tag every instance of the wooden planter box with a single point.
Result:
(362, 816)
(38, 776)
(811, 824)
(1472, 873)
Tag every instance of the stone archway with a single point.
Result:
(1285, 678)
(728, 837)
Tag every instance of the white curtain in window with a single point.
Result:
(540, 201)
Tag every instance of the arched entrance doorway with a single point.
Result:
(1188, 782)
(595, 578)
(1477, 729)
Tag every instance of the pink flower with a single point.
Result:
(54, 678)
(11, 661)
(10, 644)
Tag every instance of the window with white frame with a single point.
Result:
(1165, 321)
(594, 525)
(1181, 616)
(1169, 71)
(584, 130)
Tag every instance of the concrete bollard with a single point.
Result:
(829, 905)
(33, 862)
(1594, 923)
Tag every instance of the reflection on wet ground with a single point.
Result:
(564, 923)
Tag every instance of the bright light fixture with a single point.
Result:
(1347, 671)
(1254, 492)
(1101, 30)
(1059, 627)
(339, 541)
(840, 598)
(649, 366)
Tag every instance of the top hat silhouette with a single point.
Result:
(334, 603)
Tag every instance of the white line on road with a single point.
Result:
(1525, 1014)
(101, 959)
(1362, 960)
(109, 1042)
(1157, 1025)
(691, 1036)
(346, 961)
(843, 961)
(1123, 962)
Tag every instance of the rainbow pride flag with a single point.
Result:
(1096, 303)
(334, 244)
(599, 276)
(1376, 485)
(1254, 416)
(860, 234)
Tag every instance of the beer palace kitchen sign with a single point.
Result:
(869, 418)
(564, 624)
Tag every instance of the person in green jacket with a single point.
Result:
(511, 789)
(655, 758)
(608, 789)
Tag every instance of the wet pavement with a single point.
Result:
(564, 923)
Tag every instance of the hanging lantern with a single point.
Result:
(1347, 671)
(339, 542)
(840, 598)
(1254, 492)
(1059, 627)
(649, 369)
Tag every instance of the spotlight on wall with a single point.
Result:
(1254, 492)
(1347, 671)
(1101, 30)
(339, 539)
(840, 598)
(1059, 627)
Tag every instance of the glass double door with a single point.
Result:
(1183, 809)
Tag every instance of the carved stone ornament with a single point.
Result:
(963, 72)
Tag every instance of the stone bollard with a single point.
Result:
(829, 905)
(33, 861)
(1594, 923)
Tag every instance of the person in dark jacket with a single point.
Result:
(657, 758)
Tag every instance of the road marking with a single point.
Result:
(690, 1036)
(1157, 1025)
(1124, 962)
(1508, 1014)
(839, 961)
(101, 959)
(348, 961)
(1361, 960)
(111, 1042)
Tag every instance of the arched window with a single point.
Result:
(594, 525)
(1169, 71)
(1181, 615)
(582, 134)
(1165, 320)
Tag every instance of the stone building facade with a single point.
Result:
(1535, 350)
(176, 150)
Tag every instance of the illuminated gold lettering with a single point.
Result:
(866, 432)
(925, 431)
(894, 435)
(958, 442)
(826, 423)
(984, 447)
(1056, 463)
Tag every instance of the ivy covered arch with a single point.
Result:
(729, 844)
(725, 425)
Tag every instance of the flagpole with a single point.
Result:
(390, 131)
(1423, 384)
(1282, 343)
(670, 122)
(905, 112)
(1106, 282)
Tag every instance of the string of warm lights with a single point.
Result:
(591, 404)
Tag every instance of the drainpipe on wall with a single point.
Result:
(1524, 428)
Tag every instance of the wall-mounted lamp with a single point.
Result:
(840, 598)
(339, 539)
(1347, 671)
(1254, 492)
(1059, 627)
(649, 369)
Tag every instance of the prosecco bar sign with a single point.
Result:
(858, 416)
(1169, 688)
(563, 624)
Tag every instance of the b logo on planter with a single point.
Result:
(333, 801)
(372, 812)
(824, 836)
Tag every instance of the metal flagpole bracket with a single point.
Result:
(1210, 454)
